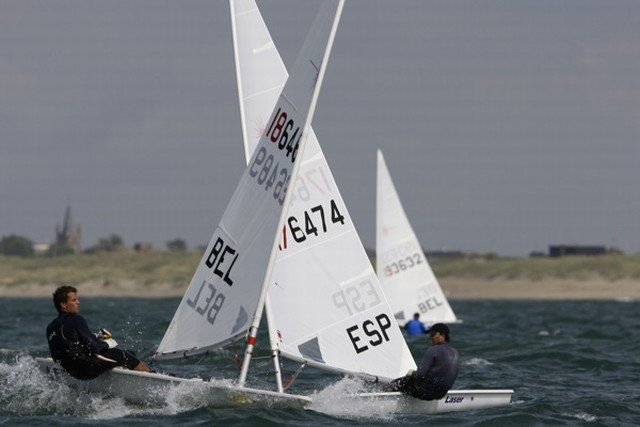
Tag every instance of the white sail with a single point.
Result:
(254, 50)
(403, 270)
(328, 307)
(228, 289)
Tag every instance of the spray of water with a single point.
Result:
(26, 390)
(340, 399)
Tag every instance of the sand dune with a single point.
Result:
(464, 288)
(454, 288)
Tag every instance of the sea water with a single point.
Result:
(569, 362)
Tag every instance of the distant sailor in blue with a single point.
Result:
(415, 326)
(81, 353)
(437, 371)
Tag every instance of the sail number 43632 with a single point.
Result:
(402, 264)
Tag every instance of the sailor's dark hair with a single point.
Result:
(61, 295)
(442, 328)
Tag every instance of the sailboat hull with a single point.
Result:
(153, 389)
(454, 401)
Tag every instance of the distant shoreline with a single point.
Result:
(164, 274)
(454, 287)
(546, 289)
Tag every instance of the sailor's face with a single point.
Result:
(72, 306)
(436, 338)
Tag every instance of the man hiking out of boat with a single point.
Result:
(415, 326)
(437, 371)
(80, 352)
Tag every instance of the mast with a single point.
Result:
(273, 339)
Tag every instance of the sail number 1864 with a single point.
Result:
(280, 132)
(265, 167)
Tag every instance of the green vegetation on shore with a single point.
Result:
(176, 268)
(106, 268)
(609, 267)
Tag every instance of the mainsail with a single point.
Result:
(227, 292)
(403, 270)
(327, 304)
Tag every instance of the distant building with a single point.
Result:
(41, 248)
(142, 247)
(69, 233)
(567, 250)
(537, 254)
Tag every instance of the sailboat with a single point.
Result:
(224, 301)
(402, 268)
(325, 305)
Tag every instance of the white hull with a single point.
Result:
(152, 389)
(454, 401)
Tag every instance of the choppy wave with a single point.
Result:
(570, 363)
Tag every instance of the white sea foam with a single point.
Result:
(26, 390)
(476, 361)
(583, 416)
(340, 399)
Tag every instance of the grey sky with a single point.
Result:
(506, 125)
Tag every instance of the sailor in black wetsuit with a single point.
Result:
(79, 351)
(437, 371)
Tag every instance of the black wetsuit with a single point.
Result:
(72, 344)
(435, 376)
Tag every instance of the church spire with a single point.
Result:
(69, 233)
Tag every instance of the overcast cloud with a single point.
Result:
(507, 126)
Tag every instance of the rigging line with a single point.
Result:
(237, 357)
(197, 361)
(289, 382)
